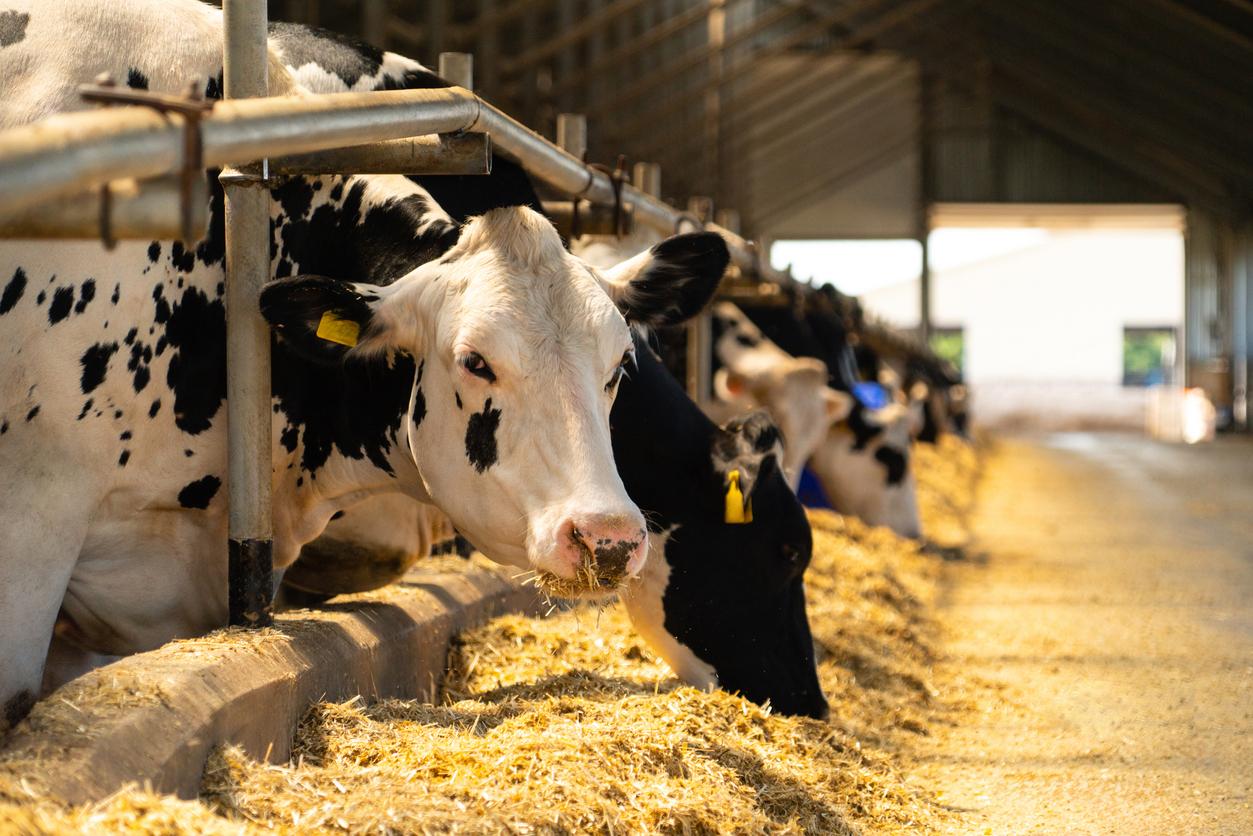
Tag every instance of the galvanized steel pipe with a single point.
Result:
(250, 542)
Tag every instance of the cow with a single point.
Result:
(751, 370)
(470, 366)
(721, 601)
(863, 464)
(745, 630)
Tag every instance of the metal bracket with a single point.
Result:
(192, 107)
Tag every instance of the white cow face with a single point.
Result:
(865, 469)
(519, 348)
(794, 390)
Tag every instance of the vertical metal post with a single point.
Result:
(250, 546)
(729, 219)
(457, 68)
(924, 205)
(700, 328)
(572, 134)
(647, 178)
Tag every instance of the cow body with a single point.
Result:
(482, 380)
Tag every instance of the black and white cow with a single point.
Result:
(863, 465)
(744, 629)
(485, 363)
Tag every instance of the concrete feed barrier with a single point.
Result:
(154, 717)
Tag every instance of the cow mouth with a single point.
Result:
(598, 574)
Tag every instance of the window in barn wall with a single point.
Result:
(950, 345)
(1148, 356)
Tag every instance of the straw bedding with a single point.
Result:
(569, 724)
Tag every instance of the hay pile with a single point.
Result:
(570, 725)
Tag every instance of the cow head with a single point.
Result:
(863, 466)
(794, 390)
(519, 348)
(726, 607)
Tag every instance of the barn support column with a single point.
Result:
(924, 205)
(250, 546)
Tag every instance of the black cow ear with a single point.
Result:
(670, 283)
(751, 447)
(321, 319)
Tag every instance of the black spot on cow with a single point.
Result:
(141, 356)
(125, 436)
(30, 416)
(337, 191)
(300, 481)
(338, 515)
(746, 340)
(863, 431)
(117, 414)
(457, 398)
(62, 301)
(4, 427)
(189, 453)
(196, 332)
(12, 27)
(124, 458)
(39, 300)
(129, 339)
(19, 705)
(182, 258)
(136, 80)
(154, 409)
(481, 437)
(289, 437)
(13, 291)
(154, 251)
(86, 408)
(117, 293)
(419, 400)
(161, 311)
(199, 493)
(85, 295)
(95, 362)
(894, 461)
(295, 196)
(212, 248)
(213, 88)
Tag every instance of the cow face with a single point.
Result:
(864, 468)
(794, 390)
(518, 348)
(726, 607)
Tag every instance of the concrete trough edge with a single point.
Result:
(153, 718)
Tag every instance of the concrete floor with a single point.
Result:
(1107, 639)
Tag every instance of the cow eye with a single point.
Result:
(474, 363)
(627, 362)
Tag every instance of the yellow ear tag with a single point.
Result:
(336, 329)
(738, 512)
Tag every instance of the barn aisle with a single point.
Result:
(1106, 640)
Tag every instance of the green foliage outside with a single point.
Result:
(1146, 353)
(949, 344)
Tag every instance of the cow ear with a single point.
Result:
(839, 404)
(750, 447)
(322, 320)
(670, 283)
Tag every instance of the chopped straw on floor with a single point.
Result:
(569, 724)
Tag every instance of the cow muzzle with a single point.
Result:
(592, 554)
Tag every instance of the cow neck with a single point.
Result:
(661, 466)
(343, 427)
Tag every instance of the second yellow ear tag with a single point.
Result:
(738, 512)
(336, 329)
